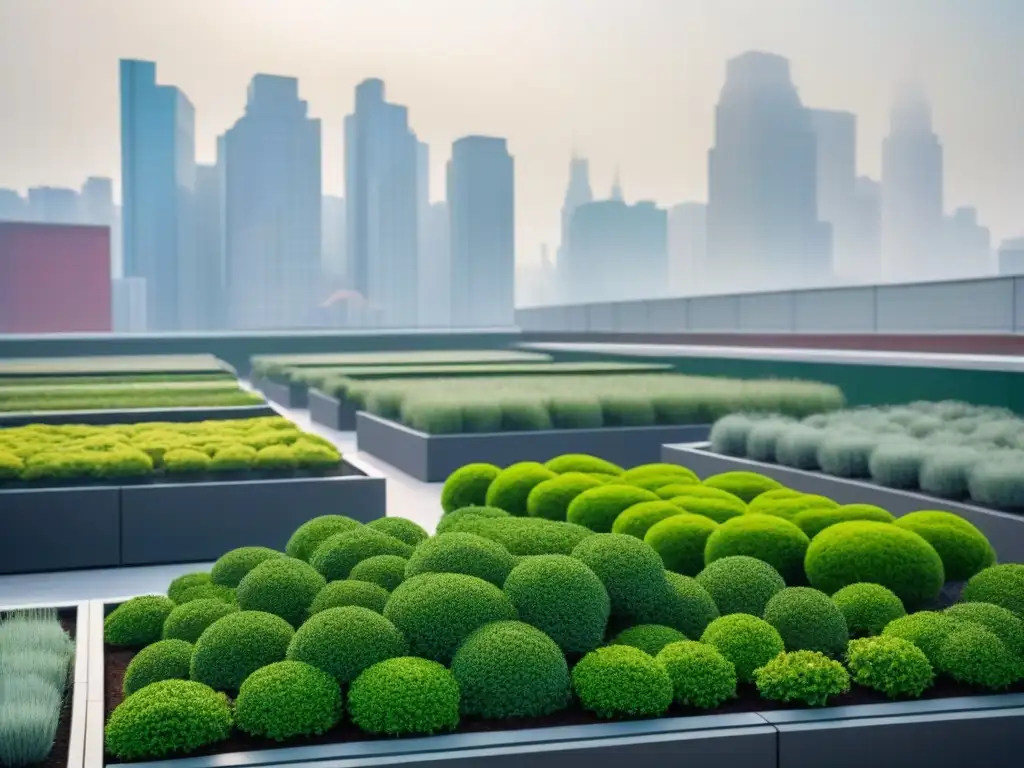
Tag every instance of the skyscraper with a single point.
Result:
(55, 205)
(272, 214)
(481, 206)
(763, 225)
(836, 137)
(203, 299)
(97, 207)
(382, 202)
(576, 194)
(966, 247)
(332, 260)
(158, 182)
(687, 247)
(435, 306)
(867, 234)
(1011, 256)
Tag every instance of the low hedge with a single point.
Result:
(124, 396)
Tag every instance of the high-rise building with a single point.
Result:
(96, 206)
(272, 214)
(577, 193)
(435, 304)
(912, 192)
(202, 289)
(55, 205)
(382, 202)
(157, 185)
(836, 137)
(866, 235)
(1011, 256)
(687, 248)
(13, 207)
(128, 295)
(332, 260)
(966, 247)
(763, 224)
(481, 207)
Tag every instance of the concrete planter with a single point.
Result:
(136, 415)
(331, 412)
(288, 395)
(431, 458)
(1004, 529)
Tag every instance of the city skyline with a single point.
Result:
(614, 126)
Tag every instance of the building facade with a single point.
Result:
(687, 248)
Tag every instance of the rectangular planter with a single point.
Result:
(330, 411)
(59, 529)
(431, 458)
(137, 415)
(288, 395)
(1004, 529)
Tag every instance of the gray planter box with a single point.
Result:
(59, 529)
(1004, 529)
(431, 458)
(330, 411)
(288, 395)
(136, 415)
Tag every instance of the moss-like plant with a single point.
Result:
(386, 571)
(774, 540)
(813, 521)
(335, 558)
(189, 620)
(1003, 623)
(745, 640)
(511, 487)
(235, 646)
(868, 608)
(649, 638)
(701, 676)
(963, 548)
(163, 660)
(891, 665)
(680, 541)
(621, 681)
(181, 461)
(344, 641)
(1000, 585)
(462, 553)
(808, 620)
(598, 507)
(975, 655)
(741, 584)
(685, 605)
(137, 622)
(747, 485)
(283, 586)
(312, 533)
(467, 486)
(582, 462)
(338, 594)
(400, 528)
(405, 696)
(717, 508)
(232, 566)
(639, 518)
(729, 435)
(286, 700)
(847, 453)
(787, 504)
(551, 498)
(925, 629)
(808, 677)
(631, 572)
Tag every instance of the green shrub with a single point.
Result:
(1004, 624)
(582, 462)
(747, 485)
(198, 586)
(881, 553)
(576, 412)
(745, 640)
(897, 463)
(659, 469)
(654, 482)
(627, 410)
(741, 584)
(386, 571)
(550, 499)
(452, 520)
(776, 541)
(891, 665)
(729, 435)
(763, 439)
(236, 645)
(335, 558)
(805, 676)
(163, 660)
(997, 483)
(168, 717)
(620, 681)
(511, 487)
(808, 620)
(462, 553)
(701, 676)
(639, 518)
(437, 611)
(1000, 585)
(11, 465)
(815, 520)
(716, 509)
(137, 622)
(344, 641)
(797, 447)
(286, 700)
(232, 566)
(649, 638)
(867, 607)
(945, 471)
(401, 529)
(631, 571)
(680, 540)
(272, 458)
(677, 488)
(526, 536)
(313, 533)
(405, 696)
(925, 629)
(233, 458)
(282, 586)
(185, 582)
(846, 454)
(975, 655)
(510, 669)
(789, 507)
(963, 548)
(185, 460)
(684, 605)
(312, 455)
(468, 486)
(770, 497)
(338, 594)
(597, 508)
(189, 620)
(563, 598)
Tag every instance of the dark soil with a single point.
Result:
(58, 757)
(116, 661)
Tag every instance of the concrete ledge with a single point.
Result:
(136, 415)
(431, 458)
(331, 412)
(288, 395)
(1004, 529)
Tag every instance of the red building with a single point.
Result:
(54, 278)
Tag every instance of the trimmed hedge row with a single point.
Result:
(285, 368)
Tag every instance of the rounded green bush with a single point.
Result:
(659, 469)
(510, 669)
(462, 553)
(747, 485)
(344, 641)
(597, 508)
(868, 608)
(770, 497)
(1001, 585)
(275, 457)
(963, 548)
(889, 664)
(630, 570)
(925, 629)
(1003, 623)
(163, 660)
(808, 620)
(680, 541)
(776, 541)
(338, 594)
(730, 434)
(563, 598)
(713, 508)
(550, 499)
(654, 482)
(745, 640)
(467, 486)
(621, 681)
(808, 677)
(167, 717)
(582, 462)
(701, 676)
(649, 638)
(975, 655)
(638, 519)
(283, 586)
(209, 591)
(232, 566)
(847, 453)
(335, 558)
(881, 553)
(798, 445)
(685, 605)
(236, 645)
(401, 529)
(189, 620)
(180, 461)
(741, 584)
(452, 520)
(137, 622)
(287, 700)
(437, 611)
(696, 490)
(186, 584)
(763, 439)
(404, 696)
(512, 486)
(386, 571)
(523, 536)
(312, 533)
(789, 507)
(815, 520)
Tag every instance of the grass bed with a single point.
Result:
(275, 366)
(124, 397)
(139, 378)
(122, 365)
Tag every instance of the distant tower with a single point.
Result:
(616, 194)
(576, 194)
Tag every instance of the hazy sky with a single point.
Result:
(631, 83)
